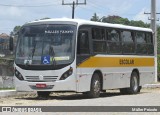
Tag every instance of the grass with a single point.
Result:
(7, 88)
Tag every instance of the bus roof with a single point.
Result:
(86, 22)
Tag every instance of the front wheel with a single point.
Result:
(95, 86)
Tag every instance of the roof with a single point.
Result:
(86, 22)
(4, 35)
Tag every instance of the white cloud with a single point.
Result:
(119, 7)
(14, 11)
(12, 16)
(142, 16)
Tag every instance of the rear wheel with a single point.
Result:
(139, 89)
(134, 85)
(95, 86)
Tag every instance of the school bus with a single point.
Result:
(83, 56)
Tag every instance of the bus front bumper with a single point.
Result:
(62, 85)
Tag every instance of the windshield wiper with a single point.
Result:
(33, 50)
(30, 57)
(51, 51)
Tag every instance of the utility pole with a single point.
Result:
(73, 5)
(154, 28)
(73, 9)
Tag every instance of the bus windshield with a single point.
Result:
(46, 45)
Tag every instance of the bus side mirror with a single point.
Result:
(11, 44)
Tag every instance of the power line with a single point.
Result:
(73, 5)
(9, 5)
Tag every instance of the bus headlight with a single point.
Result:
(67, 74)
(18, 75)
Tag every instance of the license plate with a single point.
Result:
(41, 85)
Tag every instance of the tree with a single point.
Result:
(95, 18)
(16, 29)
(158, 39)
(119, 20)
(139, 23)
(111, 19)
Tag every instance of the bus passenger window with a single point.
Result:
(114, 42)
(141, 43)
(128, 42)
(150, 47)
(140, 37)
(99, 42)
(83, 43)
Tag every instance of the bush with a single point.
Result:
(158, 62)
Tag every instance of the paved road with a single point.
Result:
(147, 97)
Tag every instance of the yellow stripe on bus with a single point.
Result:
(117, 62)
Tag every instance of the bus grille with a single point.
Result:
(45, 78)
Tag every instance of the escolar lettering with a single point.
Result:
(126, 61)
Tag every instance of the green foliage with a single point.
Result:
(158, 39)
(16, 29)
(119, 20)
(95, 18)
(12, 88)
(139, 24)
(158, 62)
(115, 20)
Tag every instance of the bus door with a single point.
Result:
(83, 53)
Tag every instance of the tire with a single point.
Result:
(139, 89)
(43, 94)
(95, 86)
(134, 84)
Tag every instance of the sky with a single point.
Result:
(19, 12)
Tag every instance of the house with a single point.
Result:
(4, 44)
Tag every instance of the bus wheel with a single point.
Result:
(95, 86)
(43, 94)
(134, 83)
(139, 89)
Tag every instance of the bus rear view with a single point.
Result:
(45, 57)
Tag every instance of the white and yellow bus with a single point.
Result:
(83, 56)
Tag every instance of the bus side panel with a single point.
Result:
(147, 75)
(84, 76)
(116, 78)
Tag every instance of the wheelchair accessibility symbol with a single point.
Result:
(46, 59)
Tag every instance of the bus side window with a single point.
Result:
(150, 47)
(141, 43)
(83, 43)
(114, 41)
(128, 42)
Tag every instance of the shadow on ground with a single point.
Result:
(71, 96)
